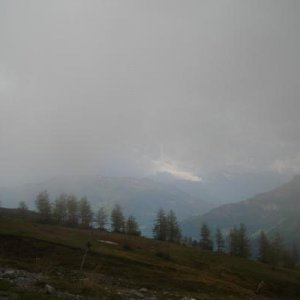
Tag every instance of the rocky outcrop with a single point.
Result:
(20, 278)
(28, 280)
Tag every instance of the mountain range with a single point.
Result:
(193, 202)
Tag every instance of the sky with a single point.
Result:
(135, 87)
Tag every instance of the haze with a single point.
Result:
(132, 88)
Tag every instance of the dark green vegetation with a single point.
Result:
(166, 227)
(111, 271)
(68, 211)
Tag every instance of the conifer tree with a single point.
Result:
(264, 248)
(132, 227)
(293, 255)
(277, 250)
(117, 219)
(60, 209)
(289, 258)
(239, 244)
(85, 212)
(173, 230)
(160, 226)
(43, 206)
(72, 208)
(102, 218)
(205, 240)
(220, 242)
(244, 243)
(233, 241)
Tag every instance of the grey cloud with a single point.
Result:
(102, 86)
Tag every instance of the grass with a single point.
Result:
(133, 263)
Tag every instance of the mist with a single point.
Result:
(136, 88)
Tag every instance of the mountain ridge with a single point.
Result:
(267, 211)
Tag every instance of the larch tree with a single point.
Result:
(244, 243)
(205, 240)
(220, 242)
(233, 241)
(117, 219)
(239, 244)
(264, 248)
(72, 208)
(277, 249)
(43, 206)
(173, 230)
(160, 226)
(85, 212)
(60, 210)
(102, 218)
(132, 227)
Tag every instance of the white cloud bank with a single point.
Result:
(291, 165)
(162, 166)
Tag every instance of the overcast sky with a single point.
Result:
(135, 87)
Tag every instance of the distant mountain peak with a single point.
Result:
(275, 210)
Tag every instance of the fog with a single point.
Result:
(131, 88)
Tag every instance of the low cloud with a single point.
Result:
(287, 165)
(83, 84)
(173, 169)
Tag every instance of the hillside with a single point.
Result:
(124, 267)
(140, 197)
(278, 209)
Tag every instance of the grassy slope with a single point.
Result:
(57, 251)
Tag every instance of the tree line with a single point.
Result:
(237, 243)
(166, 227)
(275, 253)
(68, 210)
